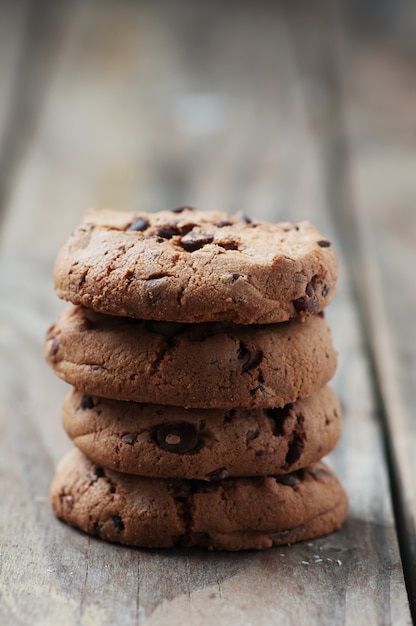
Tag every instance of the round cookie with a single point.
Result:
(231, 514)
(212, 365)
(193, 266)
(209, 444)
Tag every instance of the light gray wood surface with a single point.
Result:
(284, 113)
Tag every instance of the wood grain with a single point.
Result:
(380, 168)
(148, 107)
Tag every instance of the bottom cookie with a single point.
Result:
(232, 514)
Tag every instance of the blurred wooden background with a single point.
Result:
(285, 110)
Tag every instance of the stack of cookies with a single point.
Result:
(199, 357)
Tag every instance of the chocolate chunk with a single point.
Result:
(252, 434)
(118, 523)
(251, 359)
(179, 209)
(297, 444)
(244, 219)
(177, 437)
(235, 276)
(295, 450)
(139, 224)
(98, 471)
(278, 415)
(130, 438)
(194, 241)
(217, 474)
(290, 480)
(310, 290)
(223, 223)
(87, 402)
(167, 231)
(309, 302)
(323, 243)
(229, 416)
(228, 244)
(254, 359)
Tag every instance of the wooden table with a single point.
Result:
(285, 111)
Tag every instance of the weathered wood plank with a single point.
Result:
(379, 98)
(30, 35)
(141, 112)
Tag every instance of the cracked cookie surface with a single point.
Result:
(192, 266)
(171, 442)
(232, 514)
(211, 365)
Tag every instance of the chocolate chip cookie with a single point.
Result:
(193, 266)
(211, 365)
(232, 514)
(210, 444)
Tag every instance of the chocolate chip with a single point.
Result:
(179, 209)
(223, 223)
(323, 243)
(290, 480)
(310, 289)
(98, 471)
(229, 416)
(297, 444)
(295, 450)
(177, 437)
(235, 276)
(217, 474)
(139, 224)
(167, 231)
(309, 302)
(254, 359)
(194, 241)
(252, 434)
(251, 359)
(324, 291)
(130, 438)
(228, 244)
(278, 415)
(87, 402)
(244, 219)
(118, 523)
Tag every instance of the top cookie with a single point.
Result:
(186, 265)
